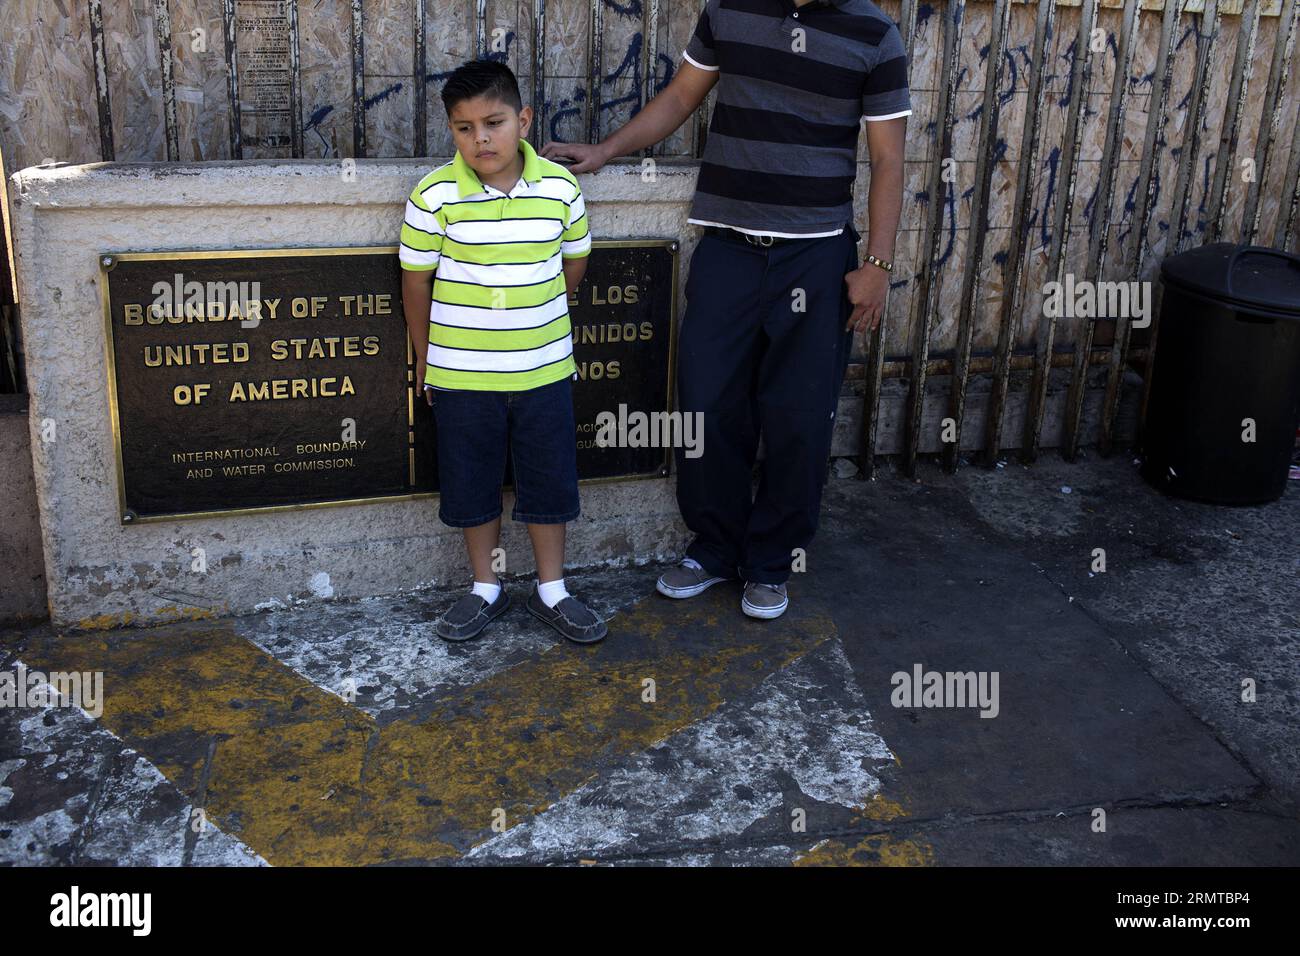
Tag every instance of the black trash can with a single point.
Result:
(1228, 351)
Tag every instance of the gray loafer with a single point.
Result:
(570, 617)
(764, 600)
(686, 580)
(468, 616)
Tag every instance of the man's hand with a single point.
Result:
(868, 285)
(655, 121)
(585, 157)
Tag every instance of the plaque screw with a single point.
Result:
(107, 260)
(673, 247)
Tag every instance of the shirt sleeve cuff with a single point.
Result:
(887, 116)
(694, 62)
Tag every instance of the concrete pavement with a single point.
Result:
(348, 733)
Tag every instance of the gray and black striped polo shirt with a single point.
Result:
(794, 83)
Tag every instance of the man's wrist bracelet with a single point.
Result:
(887, 266)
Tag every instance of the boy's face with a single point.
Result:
(487, 133)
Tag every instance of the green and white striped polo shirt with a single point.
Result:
(499, 320)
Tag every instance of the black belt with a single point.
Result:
(735, 235)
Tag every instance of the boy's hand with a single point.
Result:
(421, 366)
(585, 157)
(868, 285)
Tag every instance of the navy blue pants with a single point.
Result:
(762, 348)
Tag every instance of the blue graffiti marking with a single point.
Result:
(382, 95)
(579, 96)
(318, 117)
(1053, 160)
(1069, 54)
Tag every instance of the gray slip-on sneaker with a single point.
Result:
(570, 617)
(468, 616)
(764, 600)
(686, 580)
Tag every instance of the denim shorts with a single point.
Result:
(474, 430)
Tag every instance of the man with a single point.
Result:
(764, 341)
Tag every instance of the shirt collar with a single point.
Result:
(467, 181)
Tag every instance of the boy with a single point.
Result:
(493, 244)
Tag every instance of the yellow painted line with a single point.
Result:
(882, 808)
(303, 778)
(281, 742)
(879, 849)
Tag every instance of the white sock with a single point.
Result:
(552, 592)
(488, 592)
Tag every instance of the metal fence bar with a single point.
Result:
(649, 61)
(1080, 74)
(1145, 190)
(295, 84)
(1205, 52)
(596, 69)
(1099, 226)
(232, 79)
(979, 363)
(358, 82)
(924, 303)
(162, 21)
(1278, 74)
(420, 67)
(1243, 68)
(979, 226)
(1289, 213)
(539, 73)
(100, 56)
(1014, 294)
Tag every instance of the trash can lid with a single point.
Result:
(1255, 278)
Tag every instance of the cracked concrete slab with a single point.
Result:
(72, 793)
(384, 653)
(1079, 724)
(796, 749)
(1200, 596)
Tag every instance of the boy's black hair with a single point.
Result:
(482, 78)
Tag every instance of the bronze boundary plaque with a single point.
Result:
(418, 442)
